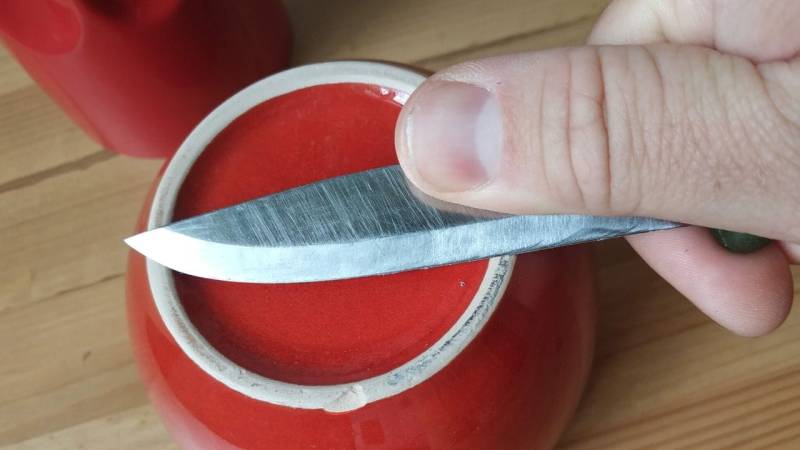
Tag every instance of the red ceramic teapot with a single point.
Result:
(488, 355)
(137, 75)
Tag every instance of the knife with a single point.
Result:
(368, 223)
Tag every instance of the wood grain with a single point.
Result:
(665, 377)
(134, 428)
(415, 30)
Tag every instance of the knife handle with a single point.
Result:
(740, 243)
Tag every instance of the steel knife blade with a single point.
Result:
(368, 223)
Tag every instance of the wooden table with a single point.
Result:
(664, 377)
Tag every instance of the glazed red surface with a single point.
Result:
(314, 333)
(514, 386)
(138, 75)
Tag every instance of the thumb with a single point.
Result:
(677, 132)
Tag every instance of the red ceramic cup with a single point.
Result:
(485, 355)
(138, 75)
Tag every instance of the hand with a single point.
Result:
(687, 110)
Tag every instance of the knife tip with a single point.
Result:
(148, 243)
(134, 242)
(170, 249)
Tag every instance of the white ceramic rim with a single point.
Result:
(338, 397)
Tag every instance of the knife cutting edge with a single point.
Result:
(367, 223)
